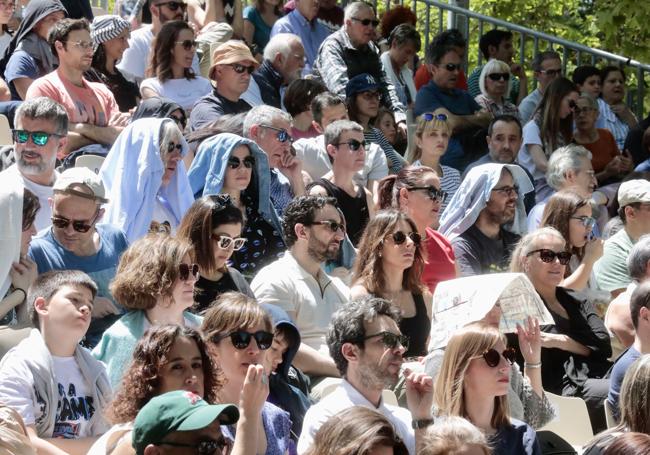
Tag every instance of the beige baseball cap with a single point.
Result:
(634, 191)
(81, 176)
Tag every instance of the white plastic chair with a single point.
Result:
(609, 415)
(5, 131)
(572, 422)
(92, 162)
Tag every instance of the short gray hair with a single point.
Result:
(528, 243)
(562, 160)
(43, 108)
(347, 326)
(280, 44)
(589, 99)
(263, 114)
(354, 8)
(334, 130)
(637, 261)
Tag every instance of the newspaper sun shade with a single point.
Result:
(458, 302)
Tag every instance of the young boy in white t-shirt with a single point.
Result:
(58, 388)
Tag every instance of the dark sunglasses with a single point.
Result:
(173, 6)
(498, 76)
(390, 339)
(549, 256)
(399, 237)
(235, 163)
(492, 357)
(188, 44)
(282, 134)
(451, 67)
(353, 144)
(210, 447)
(60, 222)
(239, 68)
(332, 225)
(241, 339)
(224, 242)
(184, 271)
(586, 221)
(434, 193)
(509, 191)
(366, 22)
(39, 138)
(171, 147)
(428, 116)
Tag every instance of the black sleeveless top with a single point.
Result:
(354, 208)
(417, 328)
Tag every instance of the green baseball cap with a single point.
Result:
(179, 410)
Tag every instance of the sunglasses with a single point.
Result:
(240, 69)
(549, 256)
(367, 22)
(187, 44)
(173, 6)
(509, 191)
(451, 67)
(498, 76)
(353, 144)
(235, 163)
(184, 271)
(434, 193)
(551, 72)
(586, 221)
(332, 225)
(282, 134)
(39, 138)
(83, 45)
(390, 339)
(428, 116)
(171, 147)
(399, 237)
(60, 222)
(224, 242)
(241, 339)
(492, 357)
(211, 447)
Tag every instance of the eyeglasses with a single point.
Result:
(551, 72)
(587, 221)
(366, 22)
(499, 76)
(235, 163)
(224, 242)
(492, 357)
(332, 225)
(173, 6)
(578, 110)
(39, 138)
(283, 135)
(239, 68)
(399, 237)
(549, 256)
(451, 67)
(371, 95)
(509, 191)
(82, 226)
(390, 339)
(428, 116)
(83, 45)
(184, 271)
(210, 447)
(353, 144)
(434, 193)
(187, 44)
(171, 147)
(241, 339)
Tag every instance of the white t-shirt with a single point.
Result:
(43, 192)
(75, 404)
(183, 91)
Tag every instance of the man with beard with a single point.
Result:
(313, 230)
(40, 134)
(92, 110)
(365, 342)
(486, 217)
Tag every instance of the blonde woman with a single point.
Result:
(495, 82)
(473, 383)
(454, 436)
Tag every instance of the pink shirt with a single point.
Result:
(93, 103)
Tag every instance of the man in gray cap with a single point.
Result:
(76, 242)
(611, 270)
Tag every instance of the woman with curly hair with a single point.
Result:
(155, 283)
(167, 358)
(389, 265)
(170, 70)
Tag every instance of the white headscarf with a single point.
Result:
(473, 195)
(11, 228)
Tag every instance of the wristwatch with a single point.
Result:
(421, 423)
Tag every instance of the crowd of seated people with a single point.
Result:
(230, 228)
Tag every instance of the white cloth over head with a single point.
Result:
(11, 229)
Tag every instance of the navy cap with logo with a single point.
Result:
(360, 83)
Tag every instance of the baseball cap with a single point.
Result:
(179, 410)
(232, 51)
(634, 191)
(360, 83)
(81, 176)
